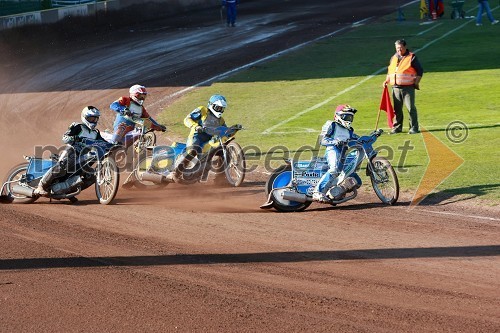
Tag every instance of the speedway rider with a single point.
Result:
(336, 135)
(72, 138)
(202, 121)
(131, 106)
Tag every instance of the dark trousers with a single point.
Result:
(66, 161)
(405, 96)
(231, 13)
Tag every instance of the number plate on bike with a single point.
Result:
(307, 173)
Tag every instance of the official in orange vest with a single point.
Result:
(404, 75)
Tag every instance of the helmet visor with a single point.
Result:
(347, 117)
(140, 96)
(92, 119)
(217, 108)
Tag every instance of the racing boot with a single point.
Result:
(177, 173)
(320, 197)
(40, 190)
(170, 177)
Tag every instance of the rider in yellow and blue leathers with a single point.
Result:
(203, 121)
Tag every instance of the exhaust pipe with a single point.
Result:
(22, 190)
(153, 177)
(294, 196)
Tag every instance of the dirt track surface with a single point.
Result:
(204, 259)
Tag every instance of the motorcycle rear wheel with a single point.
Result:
(145, 164)
(15, 174)
(108, 179)
(280, 178)
(384, 180)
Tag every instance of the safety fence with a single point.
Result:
(62, 3)
(17, 13)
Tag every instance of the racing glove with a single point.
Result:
(199, 129)
(126, 112)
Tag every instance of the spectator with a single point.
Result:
(404, 74)
(230, 11)
(484, 6)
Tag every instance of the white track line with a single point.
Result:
(314, 107)
(315, 130)
(458, 214)
(237, 69)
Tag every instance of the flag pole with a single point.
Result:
(378, 117)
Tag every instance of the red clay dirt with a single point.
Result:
(205, 259)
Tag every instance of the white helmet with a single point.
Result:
(90, 116)
(138, 93)
(217, 104)
(344, 115)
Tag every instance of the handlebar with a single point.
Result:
(146, 123)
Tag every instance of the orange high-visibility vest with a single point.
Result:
(402, 74)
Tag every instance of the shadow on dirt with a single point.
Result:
(359, 206)
(458, 194)
(245, 258)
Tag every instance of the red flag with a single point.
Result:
(385, 105)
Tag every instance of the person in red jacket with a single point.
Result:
(404, 74)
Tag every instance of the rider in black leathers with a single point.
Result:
(72, 138)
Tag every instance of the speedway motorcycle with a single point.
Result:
(95, 166)
(141, 137)
(222, 155)
(290, 187)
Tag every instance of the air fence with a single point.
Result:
(17, 13)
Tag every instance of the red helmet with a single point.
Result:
(344, 115)
(138, 93)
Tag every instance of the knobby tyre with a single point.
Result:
(384, 180)
(108, 178)
(235, 165)
(16, 173)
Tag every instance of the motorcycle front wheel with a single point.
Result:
(235, 165)
(107, 180)
(281, 178)
(14, 178)
(147, 140)
(384, 180)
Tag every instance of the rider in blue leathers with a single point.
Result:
(336, 137)
(230, 11)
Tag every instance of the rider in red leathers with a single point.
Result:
(131, 106)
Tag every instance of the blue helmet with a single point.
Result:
(217, 104)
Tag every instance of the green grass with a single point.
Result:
(461, 83)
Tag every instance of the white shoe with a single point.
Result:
(320, 197)
(494, 22)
